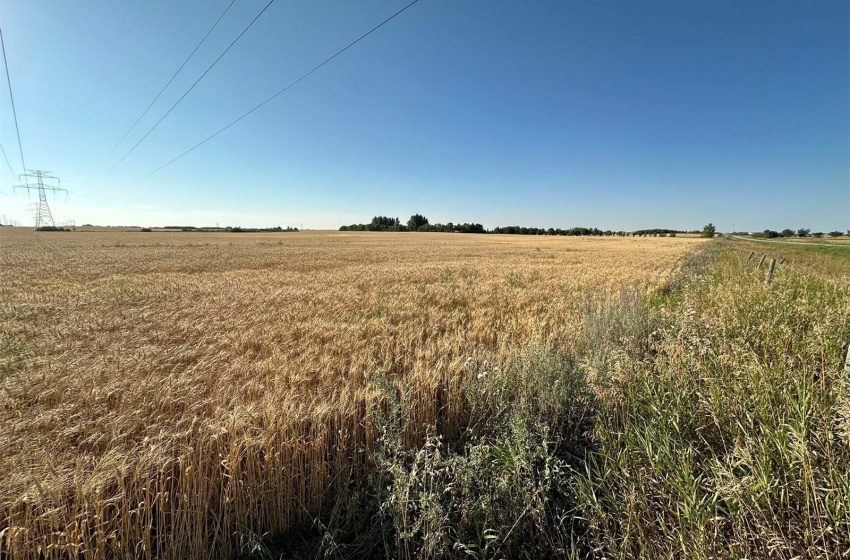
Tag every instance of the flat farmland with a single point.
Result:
(163, 392)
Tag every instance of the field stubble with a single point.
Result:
(163, 393)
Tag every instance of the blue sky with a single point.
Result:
(618, 115)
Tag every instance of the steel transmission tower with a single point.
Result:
(43, 216)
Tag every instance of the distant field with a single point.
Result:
(164, 393)
(844, 240)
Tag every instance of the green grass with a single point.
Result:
(9, 347)
(831, 260)
(11, 354)
(733, 442)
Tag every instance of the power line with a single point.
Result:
(193, 85)
(145, 112)
(113, 44)
(287, 87)
(12, 97)
(12, 171)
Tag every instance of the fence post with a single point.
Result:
(761, 261)
(770, 268)
(751, 255)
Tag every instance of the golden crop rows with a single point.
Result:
(161, 392)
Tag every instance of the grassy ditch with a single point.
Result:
(712, 420)
(733, 437)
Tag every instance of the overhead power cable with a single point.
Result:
(113, 44)
(12, 98)
(198, 145)
(193, 85)
(145, 112)
(12, 171)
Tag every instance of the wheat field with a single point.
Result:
(164, 394)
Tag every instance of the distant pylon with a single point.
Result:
(43, 216)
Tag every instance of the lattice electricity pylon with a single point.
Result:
(43, 216)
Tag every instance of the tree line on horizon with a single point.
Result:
(418, 222)
(801, 232)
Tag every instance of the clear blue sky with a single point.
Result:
(612, 114)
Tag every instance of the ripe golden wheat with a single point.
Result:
(163, 393)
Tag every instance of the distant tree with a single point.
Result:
(383, 223)
(416, 221)
(835, 234)
(708, 230)
(769, 234)
(787, 233)
(803, 232)
(817, 234)
(51, 228)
